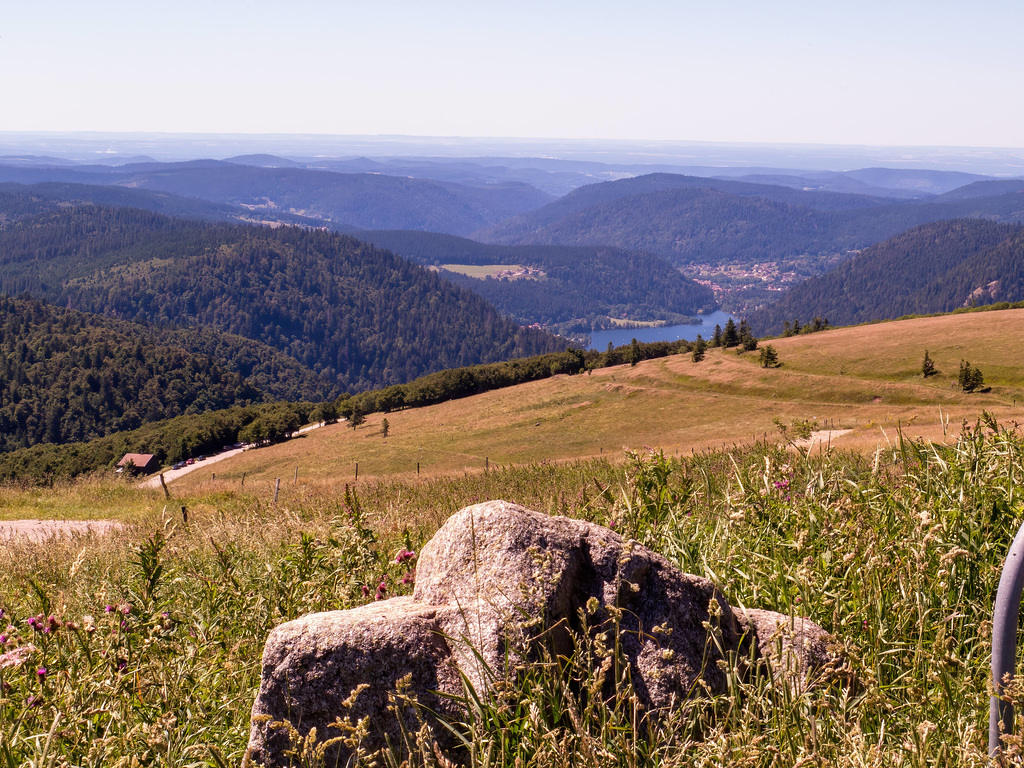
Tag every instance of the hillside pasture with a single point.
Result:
(483, 271)
(865, 379)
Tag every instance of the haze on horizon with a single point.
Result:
(887, 74)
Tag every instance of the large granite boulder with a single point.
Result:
(499, 585)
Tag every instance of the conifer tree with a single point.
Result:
(769, 357)
(699, 348)
(730, 337)
(969, 377)
(928, 366)
(634, 355)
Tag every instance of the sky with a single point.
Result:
(900, 72)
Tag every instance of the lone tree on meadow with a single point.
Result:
(928, 366)
(769, 357)
(970, 377)
(385, 428)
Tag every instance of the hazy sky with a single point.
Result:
(893, 72)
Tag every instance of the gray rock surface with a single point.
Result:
(794, 648)
(496, 585)
(312, 667)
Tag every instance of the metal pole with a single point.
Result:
(1004, 642)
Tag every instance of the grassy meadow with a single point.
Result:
(142, 646)
(865, 379)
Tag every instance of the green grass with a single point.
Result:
(898, 554)
(87, 499)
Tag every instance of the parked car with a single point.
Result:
(190, 462)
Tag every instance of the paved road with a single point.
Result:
(41, 530)
(173, 474)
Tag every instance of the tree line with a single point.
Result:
(170, 441)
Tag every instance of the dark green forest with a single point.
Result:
(357, 316)
(70, 377)
(581, 287)
(933, 268)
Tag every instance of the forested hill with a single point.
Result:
(692, 221)
(359, 316)
(21, 200)
(578, 288)
(933, 268)
(340, 200)
(70, 376)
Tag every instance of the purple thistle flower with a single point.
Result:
(109, 608)
(41, 672)
(405, 554)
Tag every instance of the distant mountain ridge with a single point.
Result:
(19, 200)
(339, 200)
(686, 219)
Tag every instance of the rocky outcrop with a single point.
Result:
(499, 584)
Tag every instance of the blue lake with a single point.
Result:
(599, 339)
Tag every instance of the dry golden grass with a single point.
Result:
(866, 379)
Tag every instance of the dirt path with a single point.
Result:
(821, 436)
(41, 530)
